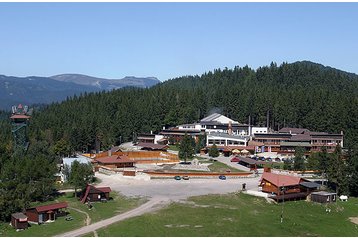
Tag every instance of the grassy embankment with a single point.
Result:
(241, 215)
(119, 204)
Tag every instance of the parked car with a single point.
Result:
(222, 177)
(235, 159)
(186, 177)
(177, 177)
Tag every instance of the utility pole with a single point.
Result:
(283, 201)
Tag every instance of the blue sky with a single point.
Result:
(168, 40)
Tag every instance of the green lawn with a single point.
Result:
(118, 204)
(217, 166)
(174, 147)
(241, 215)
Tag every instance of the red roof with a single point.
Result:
(19, 117)
(114, 159)
(93, 189)
(49, 207)
(281, 180)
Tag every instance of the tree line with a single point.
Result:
(301, 94)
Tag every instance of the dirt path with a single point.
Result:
(88, 219)
(153, 204)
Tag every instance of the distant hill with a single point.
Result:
(107, 84)
(45, 90)
(301, 94)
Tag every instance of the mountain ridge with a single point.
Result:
(45, 90)
(107, 84)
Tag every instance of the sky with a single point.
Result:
(168, 40)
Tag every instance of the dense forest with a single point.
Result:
(301, 94)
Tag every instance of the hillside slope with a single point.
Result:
(301, 94)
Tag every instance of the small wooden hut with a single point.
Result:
(19, 220)
(323, 197)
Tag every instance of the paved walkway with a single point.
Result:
(151, 205)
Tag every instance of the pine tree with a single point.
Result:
(186, 149)
(213, 151)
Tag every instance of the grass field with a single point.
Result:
(118, 204)
(241, 215)
(217, 166)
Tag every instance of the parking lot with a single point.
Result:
(175, 189)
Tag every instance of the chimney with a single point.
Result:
(151, 132)
(229, 128)
(110, 152)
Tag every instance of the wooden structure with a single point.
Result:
(251, 163)
(95, 194)
(19, 220)
(152, 146)
(115, 161)
(46, 213)
(286, 187)
(323, 197)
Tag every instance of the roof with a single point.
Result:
(323, 193)
(272, 135)
(225, 135)
(293, 130)
(49, 207)
(19, 116)
(211, 117)
(115, 149)
(19, 215)
(301, 137)
(90, 189)
(310, 184)
(281, 180)
(251, 161)
(114, 159)
(152, 146)
(80, 158)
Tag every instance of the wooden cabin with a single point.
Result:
(323, 197)
(115, 161)
(286, 187)
(95, 194)
(46, 213)
(19, 220)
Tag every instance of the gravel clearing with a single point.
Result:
(175, 190)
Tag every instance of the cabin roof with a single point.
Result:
(49, 207)
(281, 180)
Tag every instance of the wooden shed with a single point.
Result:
(323, 197)
(19, 220)
(94, 194)
(46, 213)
